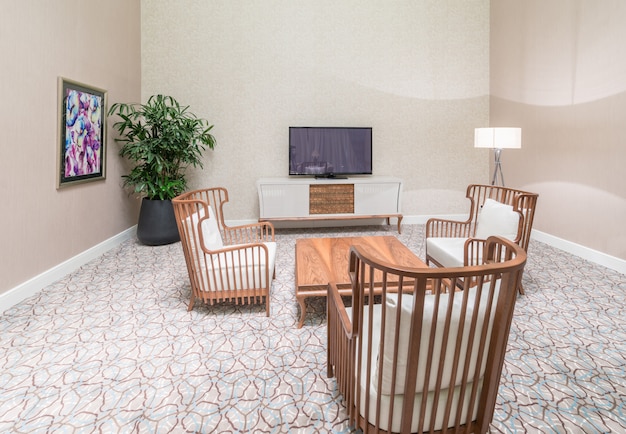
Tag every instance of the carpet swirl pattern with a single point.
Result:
(112, 348)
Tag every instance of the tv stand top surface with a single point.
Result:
(357, 179)
(330, 176)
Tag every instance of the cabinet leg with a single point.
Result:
(399, 224)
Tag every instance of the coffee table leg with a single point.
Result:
(302, 310)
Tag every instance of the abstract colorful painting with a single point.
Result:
(82, 142)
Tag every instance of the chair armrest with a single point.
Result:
(232, 248)
(476, 252)
(473, 251)
(436, 227)
(336, 302)
(250, 233)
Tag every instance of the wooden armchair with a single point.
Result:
(420, 358)
(224, 263)
(494, 210)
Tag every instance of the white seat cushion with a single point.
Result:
(448, 252)
(496, 218)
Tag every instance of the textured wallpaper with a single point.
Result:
(416, 72)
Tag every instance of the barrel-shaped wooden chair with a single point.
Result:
(420, 357)
(494, 210)
(225, 263)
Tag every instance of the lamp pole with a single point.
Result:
(498, 138)
(498, 167)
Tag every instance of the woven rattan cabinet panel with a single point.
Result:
(331, 199)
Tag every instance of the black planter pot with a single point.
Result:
(157, 223)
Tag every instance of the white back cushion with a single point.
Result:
(496, 218)
(191, 223)
(211, 234)
(427, 322)
(398, 399)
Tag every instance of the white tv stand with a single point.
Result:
(304, 198)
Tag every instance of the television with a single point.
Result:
(330, 152)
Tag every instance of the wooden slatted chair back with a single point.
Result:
(422, 357)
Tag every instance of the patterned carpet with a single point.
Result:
(112, 348)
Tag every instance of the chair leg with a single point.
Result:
(191, 303)
(267, 297)
(520, 289)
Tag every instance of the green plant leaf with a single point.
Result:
(162, 139)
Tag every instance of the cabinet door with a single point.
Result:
(331, 199)
(283, 200)
(374, 198)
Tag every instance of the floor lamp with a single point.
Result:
(498, 139)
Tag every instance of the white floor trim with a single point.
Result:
(34, 285)
(409, 220)
(600, 258)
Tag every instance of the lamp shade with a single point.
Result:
(498, 138)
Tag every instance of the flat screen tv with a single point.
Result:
(330, 152)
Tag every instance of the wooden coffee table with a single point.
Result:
(323, 260)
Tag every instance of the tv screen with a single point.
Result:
(330, 151)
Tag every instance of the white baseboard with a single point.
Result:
(599, 258)
(37, 283)
(422, 219)
(410, 220)
(34, 285)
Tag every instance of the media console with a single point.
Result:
(301, 199)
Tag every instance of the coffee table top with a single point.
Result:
(323, 260)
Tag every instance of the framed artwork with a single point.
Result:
(82, 138)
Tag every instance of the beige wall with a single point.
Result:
(417, 72)
(558, 70)
(97, 43)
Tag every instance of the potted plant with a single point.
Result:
(162, 139)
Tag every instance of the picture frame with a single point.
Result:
(82, 146)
